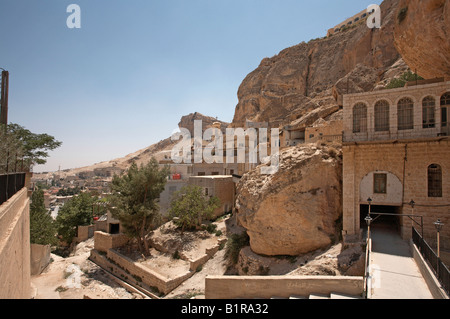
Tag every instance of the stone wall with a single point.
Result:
(219, 186)
(147, 276)
(15, 247)
(85, 232)
(408, 162)
(248, 287)
(104, 241)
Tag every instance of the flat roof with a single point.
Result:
(212, 176)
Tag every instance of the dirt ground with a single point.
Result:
(76, 277)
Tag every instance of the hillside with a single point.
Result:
(160, 150)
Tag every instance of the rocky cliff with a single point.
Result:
(422, 36)
(300, 78)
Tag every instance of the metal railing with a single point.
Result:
(367, 277)
(441, 271)
(10, 184)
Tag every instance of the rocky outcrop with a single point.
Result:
(188, 121)
(422, 36)
(296, 210)
(302, 76)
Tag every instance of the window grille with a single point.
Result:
(445, 104)
(428, 107)
(381, 116)
(360, 118)
(405, 114)
(434, 181)
(445, 99)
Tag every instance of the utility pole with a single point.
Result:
(4, 98)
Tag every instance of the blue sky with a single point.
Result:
(124, 79)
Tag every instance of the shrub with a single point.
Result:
(402, 14)
(234, 246)
(404, 78)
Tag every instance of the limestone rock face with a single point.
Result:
(188, 121)
(303, 75)
(295, 210)
(422, 36)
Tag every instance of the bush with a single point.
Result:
(404, 78)
(176, 255)
(402, 14)
(191, 207)
(234, 246)
(211, 228)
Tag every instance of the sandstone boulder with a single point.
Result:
(296, 210)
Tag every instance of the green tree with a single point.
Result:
(403, 79)
(21, 149)
(76, 212)
(190, 207)
(134, 200)
(42, 227)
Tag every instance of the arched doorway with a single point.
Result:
(385, 191)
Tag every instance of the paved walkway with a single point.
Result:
(394, 271)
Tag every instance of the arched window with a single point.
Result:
(405, 113)
(382, 116)
(445, 109)
(360, 118)
(445, 99)
(428, 108)
(434, 180)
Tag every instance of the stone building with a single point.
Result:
(396, 152)
(349, 22)
(221, 186)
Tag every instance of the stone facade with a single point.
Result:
(402, 157)
(327, 131)
(220, 186)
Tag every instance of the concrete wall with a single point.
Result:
(248, 287)
(40, 258)
(428, 274)
(15, 282)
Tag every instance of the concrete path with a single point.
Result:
(394, 271)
